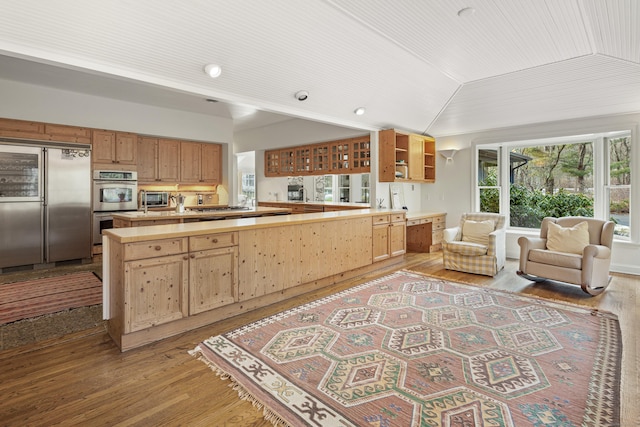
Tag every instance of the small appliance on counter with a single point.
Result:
(179, 200)
(154, 199)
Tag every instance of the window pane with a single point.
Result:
(328, 188)
(619, 209)
(488, 179)
(620, 184)
(490, 200)
(488, 167)
(550, 180)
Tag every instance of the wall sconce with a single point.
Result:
(448, 154)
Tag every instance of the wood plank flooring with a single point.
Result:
(83, 379)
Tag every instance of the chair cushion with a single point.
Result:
(466, 248)
(558, 259)
(568, 239)
(477, 231)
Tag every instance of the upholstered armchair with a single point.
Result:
(574, 250)
(477, 245)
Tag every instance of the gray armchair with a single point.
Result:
(588, 268)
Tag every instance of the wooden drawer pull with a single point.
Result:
(158, 248)
(215, 240)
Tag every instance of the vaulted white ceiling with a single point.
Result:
(413, 64)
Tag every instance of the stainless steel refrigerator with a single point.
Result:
(45, 203)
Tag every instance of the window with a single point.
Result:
(587, 175)
(328, 188)
(488, 180)
(249, 186)
(619, 182)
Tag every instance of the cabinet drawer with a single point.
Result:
(398, 217)
(438, 226)
(437, 237)
(155, 249)
(439, 219)
(380, 219)
(412, 222)
(213, 241)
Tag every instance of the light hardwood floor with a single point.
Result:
(83, 379)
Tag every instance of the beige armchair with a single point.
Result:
(573, 250)
(477, 245)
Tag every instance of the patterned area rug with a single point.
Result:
(411, 350)
(32, 298)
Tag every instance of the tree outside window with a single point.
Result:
(557, 179)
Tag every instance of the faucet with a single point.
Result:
(143, 199)
(303, 192)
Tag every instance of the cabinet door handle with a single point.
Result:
(192, 256)
(157, 248)
(186, 257)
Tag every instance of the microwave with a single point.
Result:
(154, 199)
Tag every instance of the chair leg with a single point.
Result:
(530, 277)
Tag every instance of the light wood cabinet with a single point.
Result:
(44, 131)
(158, 160)
(156, 278)
(169, 279)
(389, 236)
(425, 231)
(344, 156)
(320, 159)
(199, 163)
(21, 129)
(156, 289)
(211, 163)
(213, 271)
(406, 157)
(65, 133)
(113, 147)
(166, 280)
(361, 155)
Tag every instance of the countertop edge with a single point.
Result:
(169, 231)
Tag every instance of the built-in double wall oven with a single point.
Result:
(113, 191)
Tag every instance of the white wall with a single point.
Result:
(452, 190)
(39, 103)
(285, 134)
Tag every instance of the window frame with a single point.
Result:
(601, 173)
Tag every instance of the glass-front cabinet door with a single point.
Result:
(340, 157)
(320, 158)
(20, 173)
(361, 150)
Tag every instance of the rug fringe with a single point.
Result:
(268, 414)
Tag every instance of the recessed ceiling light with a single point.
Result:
(466, 12)
(302, 95)
(213, 70)
(359, 111)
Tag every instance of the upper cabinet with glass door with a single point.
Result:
(406, 157)
(345, 156)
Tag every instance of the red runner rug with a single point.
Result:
(411, 350)
(32, 298)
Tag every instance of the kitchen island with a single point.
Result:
(162, 280)
(193, 214)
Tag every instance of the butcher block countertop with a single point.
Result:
(154, 232)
